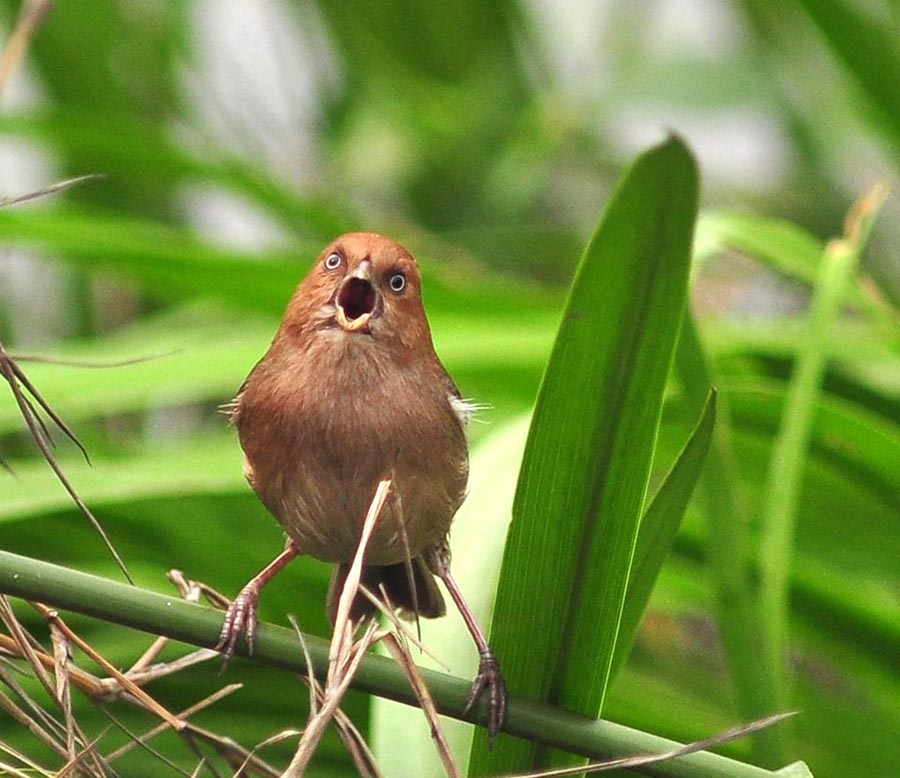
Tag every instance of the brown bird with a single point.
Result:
(349, 393)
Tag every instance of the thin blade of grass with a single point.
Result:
(783, 246)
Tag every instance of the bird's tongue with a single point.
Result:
(355, 303)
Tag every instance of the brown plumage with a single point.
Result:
(329, 411)
(351, 392)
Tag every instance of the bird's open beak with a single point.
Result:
(356, 299)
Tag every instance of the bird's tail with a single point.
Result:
(399, 583)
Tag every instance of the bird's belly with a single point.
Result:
(334, 537)
(324, 514)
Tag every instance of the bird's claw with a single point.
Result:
(240, 619)
(491, 679)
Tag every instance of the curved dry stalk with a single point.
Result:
(400, 651)
(32, 14)
(91, 363)
(335, 688)
(126, 683)
(356, 746)
(18, 381)
(344, 655)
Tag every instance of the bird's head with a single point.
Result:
(363, 284)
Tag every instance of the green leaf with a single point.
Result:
(868, 49)
(125, 148)
(723, 495)
(587, 463)
(783, 246)
(196, 353)
(203, 465)
(203, 352)
(660, 525)
(176, 263)
(852, 439)
(170, 262)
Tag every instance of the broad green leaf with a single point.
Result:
(198, 353)
(659, 526)
(781, 337)
(204, 465)
(127, 147)
(849, 472)
(844, 434)
(176, 263)
(203, 352)
(587, 462)
(170, 262)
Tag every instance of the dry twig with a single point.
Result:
(24, 393)
(33, 13)
(130, 686)
(359, 751)
(400, 651)
(344, 655)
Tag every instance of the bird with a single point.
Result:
(351, 392)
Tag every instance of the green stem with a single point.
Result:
(175, 618)
(787, 464)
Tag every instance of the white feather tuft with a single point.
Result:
(465, 410)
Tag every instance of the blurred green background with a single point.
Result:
(237, 138)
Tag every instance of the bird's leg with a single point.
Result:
(241, 618)
(489, 676)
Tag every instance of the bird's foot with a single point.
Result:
(491, 679)
(240, 619)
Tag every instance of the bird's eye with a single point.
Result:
(333, 261)
(397, 282)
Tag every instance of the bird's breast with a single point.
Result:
(319, 436)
